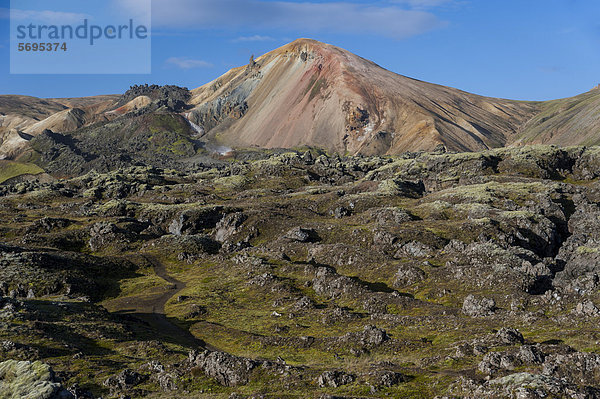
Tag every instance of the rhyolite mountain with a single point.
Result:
(305, 93)
(312, 93)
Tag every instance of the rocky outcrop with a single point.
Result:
(478, 307)
(50, 273)
(226, 369)
(194, 221)
(335, 379)
(509, 336)
(169, 97)
(370, 336)
(125, 380)
(301, 234)
(189, 245)
(525, 385)
(23, 379)
(228, 226)
(103, 234)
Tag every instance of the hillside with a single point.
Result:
(564, 122)
(23, 117)
(311, 93)
(301, 275)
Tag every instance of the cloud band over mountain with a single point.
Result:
(384, 19)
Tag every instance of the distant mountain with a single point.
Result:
(569, 121)
(305, 93)
(310, 93)
(24, 117)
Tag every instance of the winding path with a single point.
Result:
(151, 309)
(157, 317)
(158, 304)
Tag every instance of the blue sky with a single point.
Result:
(519, 49)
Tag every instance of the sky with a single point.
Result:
(517, 49)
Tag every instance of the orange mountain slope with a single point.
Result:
(310, 93)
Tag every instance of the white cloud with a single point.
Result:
(138, 9)
(390, 20)
(255, 38)
(47, 16)
(187, 63)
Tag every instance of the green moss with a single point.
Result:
(10, 169)
(22, 379)
(145, 285)
(233, 182)
(389, 187)
(434, 210)
(587, 250)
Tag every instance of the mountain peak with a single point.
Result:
(304, 41)
(312, 93)
(305, 44)
(308, 46)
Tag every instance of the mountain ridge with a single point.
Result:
(308, 93)
(362, 103)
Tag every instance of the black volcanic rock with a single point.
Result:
(170, 97)
(447, 275)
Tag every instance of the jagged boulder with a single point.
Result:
(509, 336)
(335, 379)
(103, 234)
(494, 361)
(381, 379)
(407, 275)
(227, 369)
(478, 307)
(124, 380)
(531, 354)
(332, 285)
(369, 336)
(301, 234)
(228, 226)
(194, 221)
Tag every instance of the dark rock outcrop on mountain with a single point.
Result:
(175, 94)
(147, 139)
